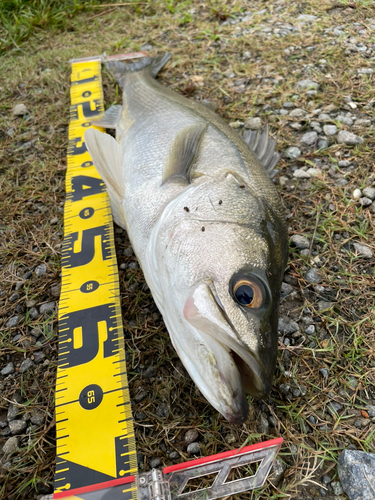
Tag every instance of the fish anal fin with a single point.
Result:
(263, 146)
(110, 118)
(106, 153)
(183, 153)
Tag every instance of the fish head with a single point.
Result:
(221, 264)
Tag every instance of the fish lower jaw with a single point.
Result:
(251, 382)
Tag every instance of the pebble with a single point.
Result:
(10, 446)
(31, 303)
(346, 120)
(356, 470)
(277, 471)
(253, 123)
(369, 193)
(56, 290)
(348, 138)
(33, 313)
(310, 330)
(306, 18)
(365, 202)
(174, 455)
(8, 369)
(20, 110)
(311, 419)
(47, 308)
(326, 479)
(41, 269)
(344, 163)
(55, 220)
(287, 326)
(12, 413)
(12, 322)
(322, 144)
(150, 372)
(284, 389)
(334, 407)
(301, 174)
(193, 448)
(309, 138)
(286, 289)
(323, 305)
(155, 462)
(292, 152)
(39, 356)
(330, 129)
(297, 113)
(307, 84)
(324, 372)
(14, 297)
(357, 193)
(230, 439)
(363, 250)
(313, 276)
(17, 426)
(313, 172)
(336, 487)
(25, 365)
(191, 435)
(140, 396)
(263, 425)
(300, 242)
(128, 252)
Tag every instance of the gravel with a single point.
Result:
(10, 446)
(324, 372)
(41, 269)
(357, 193)
(277, 471)
(20, 110)
(47, 308)
(309, 138)
(369, 192)
(155, 462)
(253, 123)
(33, 313)
(307, 85)
(363, 250)
(287, 326)
(14, 320)
(330, 129)
(292, 152)
(313, 276)
(17, 426)
(365, 202)
(348, 138)
(300, 173)
(324, 305)
(300, 241)
(8, 369)
(193, 448)
(191, 435)
(310, 330)
(25, 365)
(336, 487)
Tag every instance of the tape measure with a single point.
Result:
(96, 454)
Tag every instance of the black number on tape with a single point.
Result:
(88, 246)
(74, 149)
(85, 80)
(91, 397)
(86, 109)
(89, 286)
(81, 334)
(86, 213)
(84, 185)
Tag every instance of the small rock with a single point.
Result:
(310, 330)
(313, 172)
(357, 194)
(25, 365)
(14, 297)
(263, 425)
(128, 252)
(300, 241)
(301, 174)
(311, 419)
(174, 455)
(365, 202)
(39, 356)
(41, 269)
(284, 389)
(369, 193)
(322, 144)
(330, 129)
(309, 138)
(308, 18)
(193, 448)
(336, 487)
(190, 436)
(253, 123)
(31, 303)
(334, 407)
(56, 290)
(287, 326)
(37, 418)
(324, 372)
(230, 439)
(292, 152)
(297, 113)
(47, 308)
(140, 396)
(277, 471)
(363, 250)
(12, 413)
(348, 138)
(344, 163)
(286, 289)
(33, 313)
(55, 220)
(323, 305)
(313, 276)
(326, 479)
(12, 322)
(150, 372)
(356, 470)
(155, 462)
(20, 110)
(308, 85)
(10, 446)
(17, 426)
(8, 369)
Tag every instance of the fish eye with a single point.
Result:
(248, 293)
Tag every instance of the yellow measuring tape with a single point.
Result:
(94, 427)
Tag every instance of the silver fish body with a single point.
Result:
(207, 226)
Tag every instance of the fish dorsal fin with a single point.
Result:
(110, 118)
(107, 156)
(263, 146)
(183, 153)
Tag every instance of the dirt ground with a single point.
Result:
(306, 68)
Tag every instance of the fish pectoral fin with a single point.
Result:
(183, 154)
(106, 154)
(110, 118)
(263, 146)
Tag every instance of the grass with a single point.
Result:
(37, 42)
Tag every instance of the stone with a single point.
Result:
(309, 138)
(14, 297)
(369, 193)
(41, 269)
(20, 110)
(287, 326)
(193, 448)
(365, 202)
(330, 129)
(150, 372)
(307, 85)
(230, 439)
(336, 487)
(286, 289)
(263, 425)
(37, 418)
(356, 470)
(14, 320)
(326, 479)
(363, 250)
(277, 471)
(346, 120)
(25, 365)
(323, 305)
(292, 152)
(284, 389)
(308, 18)
(39, 356)
(322, 144)
(47, 308)
(174, 455)
(33, 313)
(324, 372)
(56, 290)
(313, 172)
(253, 123)
(17, 426)
(348, 138)
(357, 193)
(12, 413)
(310, 330)
(313, 276)
(155, 462)
(344, 163)
(10, 446)
(55, 220)
(191, 435)
(301, 174)
(297, 113)
(8, 369)
(300, 241)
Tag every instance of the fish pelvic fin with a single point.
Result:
(110, 118)
(263, 146)
(151, 64)
(107, 156)
(183, 154)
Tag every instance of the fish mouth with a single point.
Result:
(253, 377)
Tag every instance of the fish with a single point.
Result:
(207, 226)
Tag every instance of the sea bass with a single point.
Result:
(207, 226)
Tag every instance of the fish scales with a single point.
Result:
(207, 226)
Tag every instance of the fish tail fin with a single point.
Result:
(151, 64)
